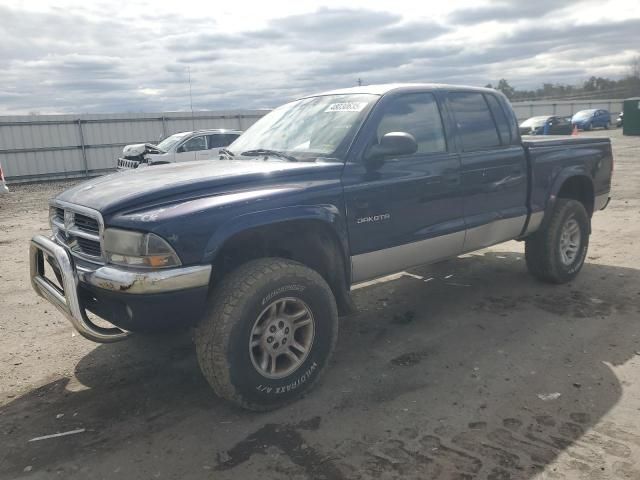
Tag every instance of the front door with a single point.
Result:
(188, 150)
(494, 169)
(407, 210)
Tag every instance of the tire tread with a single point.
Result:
(215, 327)
(540, 247)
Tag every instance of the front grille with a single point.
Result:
(79, 229)
(87, 224)
(89, 247)
(124, 163)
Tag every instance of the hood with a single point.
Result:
(182, 181)
(138, 149)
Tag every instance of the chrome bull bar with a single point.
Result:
(66, 299)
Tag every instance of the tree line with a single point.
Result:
(593, 88)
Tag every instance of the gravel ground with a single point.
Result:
(481, 372)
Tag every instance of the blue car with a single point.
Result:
(592, 118)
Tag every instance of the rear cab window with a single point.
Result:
(506, 135)
(474, 121)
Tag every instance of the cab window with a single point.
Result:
(474, 122)
(417, 114)
(193, 145)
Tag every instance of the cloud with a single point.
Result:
(411, 32)
(507, 11)
(92, 59)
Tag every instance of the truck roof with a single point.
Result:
(385, 88)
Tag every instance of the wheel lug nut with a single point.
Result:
(272, 328)
(284, 340)
(270, 339)
(276, 345)
(286, 330)
(281, 324)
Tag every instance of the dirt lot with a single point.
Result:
(482, 374)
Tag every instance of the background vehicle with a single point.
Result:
(554, 126)
(588, 119)
(260, 249)
(180, 147)
(620, 119)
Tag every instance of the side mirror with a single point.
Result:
(392, 144)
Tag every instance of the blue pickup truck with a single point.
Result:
(258, 251)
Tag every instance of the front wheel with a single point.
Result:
(606, 126)
(556, 253)
(270, 330)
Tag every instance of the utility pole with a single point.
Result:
(359, 82)
(193, 121)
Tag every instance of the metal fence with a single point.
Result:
(45, 147)
(564, 108)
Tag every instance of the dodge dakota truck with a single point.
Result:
(258, 252)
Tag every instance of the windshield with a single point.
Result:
(534, 122)
(166, 144)
(309, 127)
(584, 114)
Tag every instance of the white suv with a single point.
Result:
(179, 147)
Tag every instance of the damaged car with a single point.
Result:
(179, 147)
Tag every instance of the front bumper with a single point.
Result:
(123, 297)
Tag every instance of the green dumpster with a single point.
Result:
(631, 109)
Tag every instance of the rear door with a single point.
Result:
(494, 173)
(405, 210)
(216, 141)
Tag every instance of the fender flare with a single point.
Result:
(564, 175)
(325, 213)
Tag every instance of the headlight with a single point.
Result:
(135, 249)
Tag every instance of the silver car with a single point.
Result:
(179, 147)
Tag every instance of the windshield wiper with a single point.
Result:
(226, 152)
(264, 151)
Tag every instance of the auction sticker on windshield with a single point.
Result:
(346, 107)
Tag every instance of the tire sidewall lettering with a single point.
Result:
(257, 388)
(285, 288)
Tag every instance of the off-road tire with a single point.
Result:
(222, 337)
(542, 249)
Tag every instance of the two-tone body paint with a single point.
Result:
(387, 217)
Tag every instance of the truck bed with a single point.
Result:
(552, 158)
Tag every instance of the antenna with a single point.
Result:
(193, 121)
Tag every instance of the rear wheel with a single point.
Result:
(556, 253)
(270, 331)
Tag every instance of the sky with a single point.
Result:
(97, 57)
